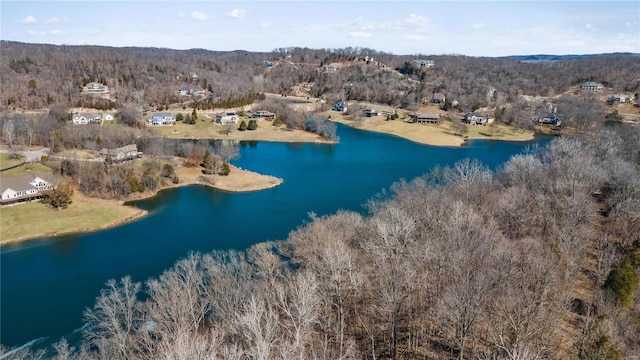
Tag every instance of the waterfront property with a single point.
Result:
(161, 118)
(226, 118)
(425, 118)
(474, 118)
(24, 188)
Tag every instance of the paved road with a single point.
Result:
(31, 156)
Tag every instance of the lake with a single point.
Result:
(47, 283)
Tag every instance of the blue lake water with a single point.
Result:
(47, 283)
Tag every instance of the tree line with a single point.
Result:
(36, 76)
(537, 260)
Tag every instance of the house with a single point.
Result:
(161, 118)
(263, 114)
(96, 119)
(95, 88)
(197, 91)
(474, 118)
(340, 106)
(226, 118)
(127, 152)
(423, 63)
(328, 68)
(27, 187)
(80, 119)
(590, 85)
(425, 118)
(193, 76)
(550, 119)
(184, 91)
(108, 117)
(369, 112)
(619, 98)
(267, 64)
(438, 98)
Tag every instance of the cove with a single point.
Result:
(47, 283)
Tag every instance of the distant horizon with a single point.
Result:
(469, 28)
(300, 47)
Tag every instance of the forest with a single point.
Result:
(35, 76)
(537, 260)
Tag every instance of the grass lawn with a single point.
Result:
(25, 221)
(6, 162)
(22, 170)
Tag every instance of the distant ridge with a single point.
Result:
(545, 57)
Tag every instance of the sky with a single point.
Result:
(473, 28)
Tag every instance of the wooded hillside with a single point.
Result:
(35, 76)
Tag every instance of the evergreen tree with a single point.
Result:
(243, 126)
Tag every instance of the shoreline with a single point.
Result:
(428, 134)
(238, 180)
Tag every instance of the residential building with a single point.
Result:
(340, 106)
(127, 152)
(267, 64)
(226, 118)
(424, 63)
(438, 98)
(263, 114)
(474, 118)
(550, 119)
(95, 88)
(369, 112)
(425, 118)
(590, 85)
(27, 187)
(108, 117)
(161, 118)
(328, 68)
(80, 119)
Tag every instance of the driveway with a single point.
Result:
(31, 156)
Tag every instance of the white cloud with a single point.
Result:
(51, 33)
(29, 20)
(237, 13)
(590, 27)
(359, 34)
(416, 37)
(413, 20)
(199, 15)
(31, 32)
(631, 25)
(181, 15)
(266, 24)
(478, 26)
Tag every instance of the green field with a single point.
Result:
(6, 161)
(22, 170)
(25, 221)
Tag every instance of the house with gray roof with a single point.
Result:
(127, 152)
(23, 188)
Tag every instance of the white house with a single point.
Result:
(108, 117)
(95, 88)
(474, 118)
(161, 118)
(80, 119)
(25, 187)
(226, 118)
(590, 85)
(424, 63)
